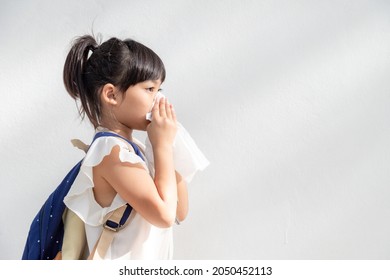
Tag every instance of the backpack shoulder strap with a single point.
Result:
(115, 221)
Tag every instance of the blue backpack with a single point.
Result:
(44, 239)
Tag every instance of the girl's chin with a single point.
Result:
(145, 125)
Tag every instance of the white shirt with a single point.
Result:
(139, 239)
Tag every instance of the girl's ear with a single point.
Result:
(109, 94)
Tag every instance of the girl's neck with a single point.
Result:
(118, 129)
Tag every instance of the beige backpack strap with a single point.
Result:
(80, 144)
(107, 235)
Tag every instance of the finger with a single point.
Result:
(173, 113)
(155, 109)
(162, 108)
(168, 109)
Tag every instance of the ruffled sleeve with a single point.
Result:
(80, 198)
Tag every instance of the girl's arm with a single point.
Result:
(182, 198)
(155, 200)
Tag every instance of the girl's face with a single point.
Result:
(136, 102)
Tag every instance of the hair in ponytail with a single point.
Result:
(121, 63)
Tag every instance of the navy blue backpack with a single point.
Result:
(44, 239)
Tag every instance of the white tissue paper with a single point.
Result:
(158, 96)
(187, 157)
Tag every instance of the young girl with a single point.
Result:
(116, 83)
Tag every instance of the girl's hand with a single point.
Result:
(162, 130)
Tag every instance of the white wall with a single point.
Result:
(289, 100)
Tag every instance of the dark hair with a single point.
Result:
(121, 63)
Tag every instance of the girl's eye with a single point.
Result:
(151, 89)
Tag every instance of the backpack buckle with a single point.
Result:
(112, 226)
